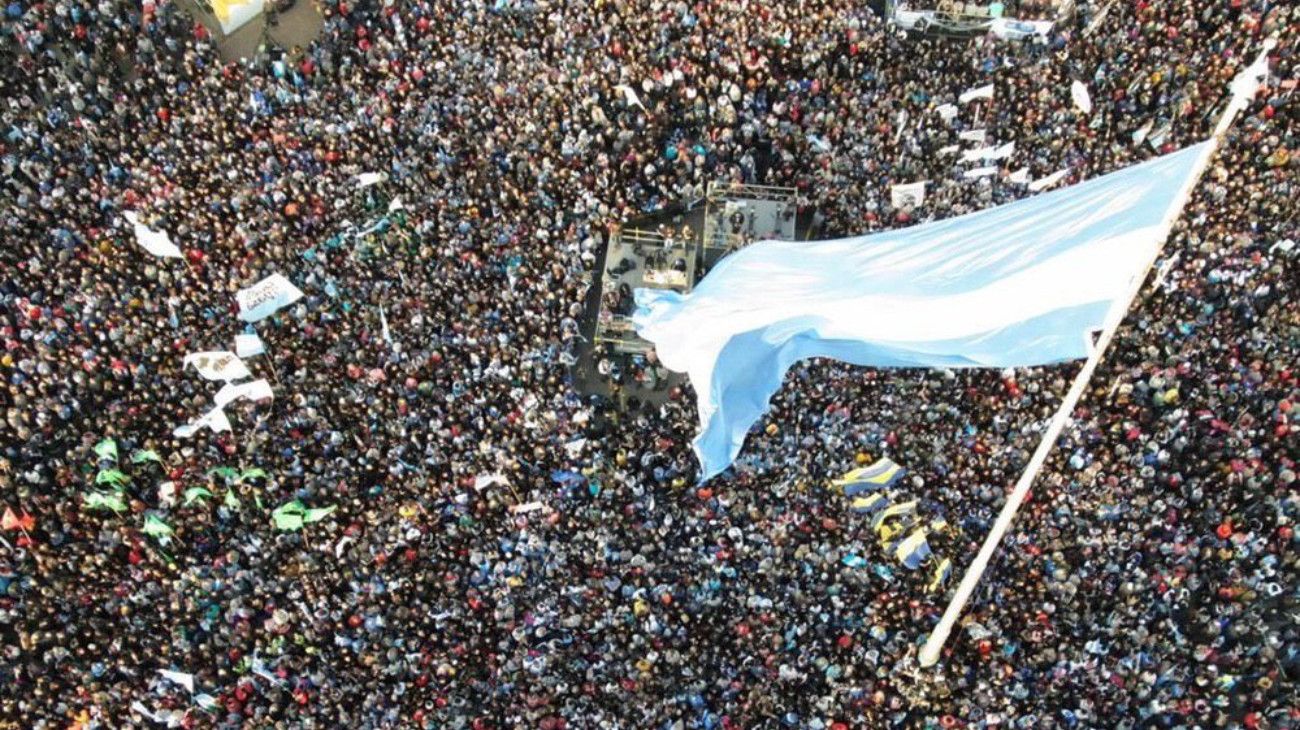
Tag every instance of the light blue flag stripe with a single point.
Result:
(1018, 285)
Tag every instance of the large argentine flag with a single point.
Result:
(1017, 285)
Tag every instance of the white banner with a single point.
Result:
(181, 678)
(947, 112)
(911, 19)
(266, 297)
(1048, 181)
(1012, 29)
(1082, 99)
(908, 195)
(1020, 177)
(218, 365)
(972, 135)
(155, 242)
(249, 345)
(366, 179)
(214, 419)
(980, 172)
(979, 92)
(989, 153)
(255, 390)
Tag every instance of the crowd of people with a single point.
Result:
(509, 553)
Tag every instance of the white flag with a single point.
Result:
(979, 92)
(260, 669)
(980, 172)
(1048, 181)
(266, 297)
(366, 179)
(947, 112)
(396, 204)
(157, 243)
(972, 135)
(169, 717)
(989, 153)
(249, 345)
(383, 327)
(483, 481)
(1141, 134)
(907, 195)
(214, 419)
(629, 95)
(1082, 100)
(181, 678)
(1020, 177)
(218, 365)
(950, 149)
(255, 390)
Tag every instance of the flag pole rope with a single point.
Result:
(1242, 93)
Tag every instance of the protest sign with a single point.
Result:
(266, 297)
(907, 195)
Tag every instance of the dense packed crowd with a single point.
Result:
(1149, 582)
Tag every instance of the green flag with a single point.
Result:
(229, 473)
(156, 527)
(252, 473)
(196, 494)
(111, 476)
(287, 521)
(231, 500)
(99, 500)
(318, 514)
(288, 516)
(144, 455)
(106, 449)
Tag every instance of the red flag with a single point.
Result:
(11, 521)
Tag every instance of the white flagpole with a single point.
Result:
(1243, 90)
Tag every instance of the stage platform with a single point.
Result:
(673, 249)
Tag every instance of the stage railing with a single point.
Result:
(739, 191)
